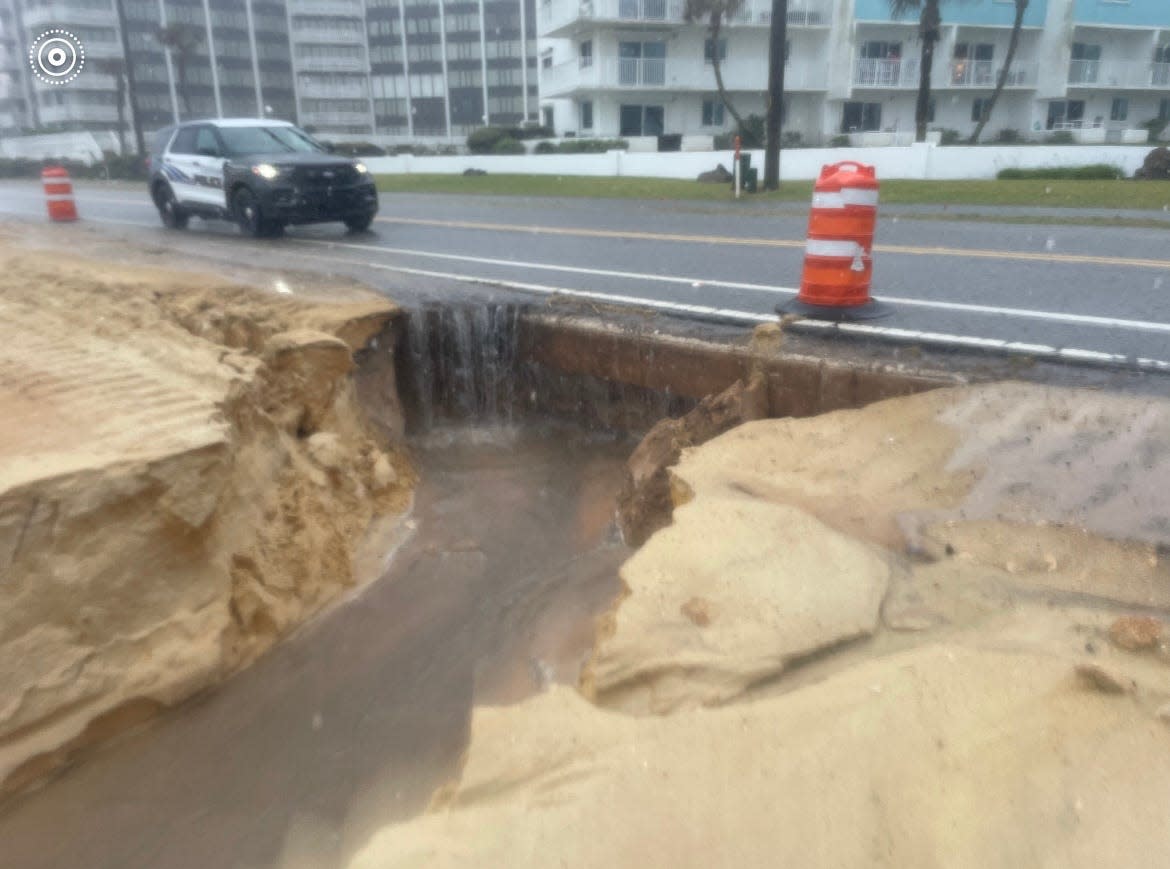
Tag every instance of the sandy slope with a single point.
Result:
(184, 475)
(874, 638)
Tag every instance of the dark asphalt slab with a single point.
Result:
(1101, 289)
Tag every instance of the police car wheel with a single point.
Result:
(247, 213)
(169, 211)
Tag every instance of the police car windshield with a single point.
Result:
(246, 141)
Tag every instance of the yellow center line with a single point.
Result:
(974, 253)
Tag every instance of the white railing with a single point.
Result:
(64, 14)
(893, 73)
(326, 8)
(341, 118)
(555, 14)
(644, 72)
(673, 74)
(331, 64)
(986, 73)
(1118, 73)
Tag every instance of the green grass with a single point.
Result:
(1151, 195)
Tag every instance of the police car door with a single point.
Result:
(179, 165)
(207, 167)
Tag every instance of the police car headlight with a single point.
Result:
(361, 168)
(266, 171)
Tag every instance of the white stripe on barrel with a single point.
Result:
(848, 196)
(834, 249)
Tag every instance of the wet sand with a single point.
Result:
(355, 720)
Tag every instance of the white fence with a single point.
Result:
(914, 161)
(85, 147)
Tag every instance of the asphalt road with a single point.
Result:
(1088, 291)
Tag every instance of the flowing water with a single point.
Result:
(356, 719)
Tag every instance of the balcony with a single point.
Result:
(63, 14)
(320, 91)
(302, 33)
(325, 8)
(335, 119)
(331, 64)
(613, 73)
(1134, 75)
(556, 16)
(984, 74)
(893, 73)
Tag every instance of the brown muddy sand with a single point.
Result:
(357, 718)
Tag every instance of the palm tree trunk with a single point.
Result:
(715, 25)
(120, 96)
(929, 27)
(1013, 43)
(181, 73)
(777, 41)
(139, 142)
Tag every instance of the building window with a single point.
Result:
(1164, 110)
(1065, 114)
(641, 120)
(1119, 111)
(861, 117)
(586, 53)
(587, 115)
(547, 115)
(712, 113)
(977, 106)
(546, 60)
(1085, 65)
(709, 50)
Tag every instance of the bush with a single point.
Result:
(591, 146)
(841, 141)
(357, 149)
(1156, 126)
(791, 139)
(752, 131)
(949, 137)
(485, 139)
(544, 148)
(1060, 137)
(508, 145)
(1090, 172)
(1008, 137)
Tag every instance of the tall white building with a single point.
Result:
(405, 68)
(635, 68)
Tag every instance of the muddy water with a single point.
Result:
(355, 720)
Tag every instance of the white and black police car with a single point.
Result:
(262, 174)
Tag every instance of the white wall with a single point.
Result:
(915, 161)
(85, 147)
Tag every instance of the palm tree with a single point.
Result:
(777, 56)
(180, 40)
(115, 67)
(929, 31)
(1013, 43)
(128, 80)
(715, 11)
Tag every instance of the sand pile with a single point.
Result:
(888, 637)
(184, 477)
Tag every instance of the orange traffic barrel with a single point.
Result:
(838, 255)
(58, 193)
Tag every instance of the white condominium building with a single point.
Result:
(629, 68)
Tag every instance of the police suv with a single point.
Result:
(262, 174)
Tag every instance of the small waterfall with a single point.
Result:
(463, 365)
